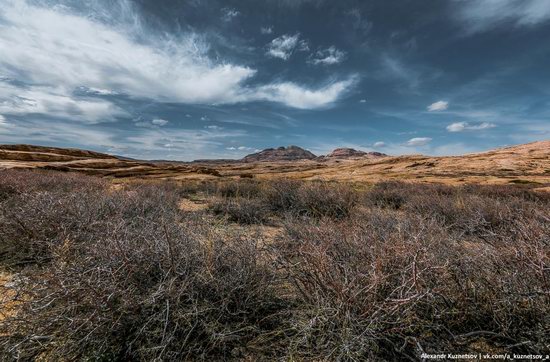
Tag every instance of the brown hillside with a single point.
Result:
(528, 163)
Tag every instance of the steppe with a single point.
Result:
(527, 163)
(346, 257)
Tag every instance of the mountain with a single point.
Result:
(353, 153)
(290, 153)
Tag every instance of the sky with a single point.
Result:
(194, 79)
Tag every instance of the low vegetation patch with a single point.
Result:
(122, 273)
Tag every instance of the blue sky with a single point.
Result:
(220, 79)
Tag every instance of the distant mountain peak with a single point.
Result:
(351, 153)
(290, 153)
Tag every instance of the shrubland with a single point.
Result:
(384, 272)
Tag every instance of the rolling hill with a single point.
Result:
(527, 163)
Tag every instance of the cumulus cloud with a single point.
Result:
(283, 46)
(465, 126)
(418, 141)
(104, 58)
(438, 106)
(379, 144)
(481, 15)
(328, 56)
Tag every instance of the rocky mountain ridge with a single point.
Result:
(290, 153)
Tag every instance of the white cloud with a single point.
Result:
(98, 56)
(144, 143)
(438, 106)
(328, 56)
(379, 144)
(229, 14)
(241, 148)
(418, 141)
(159, 122)
(154, 123)
(214, 127)
(266, 30)
(2, 120)
(481, 15)
(299, 97)
(363, 101)
(283, 46)
(99, 91)
(465, 126)
(103, 57)
(55, 101)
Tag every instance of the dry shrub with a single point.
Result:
(124, 276)
(238, 188)
(36, 180)
(104, 274)
(312, 199)
(391, 285)
(7, 191)
(449, 267)
(484, 211)
(242, 210)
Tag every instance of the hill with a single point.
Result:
(527, 163)
(352, 153)
(290, 153)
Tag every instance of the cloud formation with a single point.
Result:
(102, 59)
(229, 14)
(299, 97)
(465, 126)
(159, 122)
(481, 15)
(266, 30)
(418, 141)
(55, 100)
(283, 46)
(328, 56)
(438, 106)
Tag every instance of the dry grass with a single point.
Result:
(123, 273)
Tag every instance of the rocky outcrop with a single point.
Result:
(290, 153)
(353, 153)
